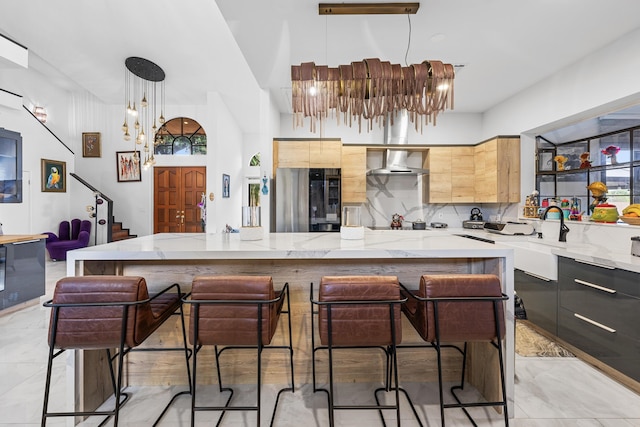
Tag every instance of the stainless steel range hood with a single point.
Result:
(394, 160)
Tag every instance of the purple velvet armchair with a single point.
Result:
(70, 236)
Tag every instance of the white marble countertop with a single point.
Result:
(376, 244)
(599, 250)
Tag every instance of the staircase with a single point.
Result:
(119, 233)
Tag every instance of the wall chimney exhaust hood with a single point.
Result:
(394, 160)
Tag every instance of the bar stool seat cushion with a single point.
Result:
(99, 327)
(359, 324)
(234, 324)
(458, 321)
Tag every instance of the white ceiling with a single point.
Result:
(505, 45)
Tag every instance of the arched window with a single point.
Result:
(255, 160)
(181, 136)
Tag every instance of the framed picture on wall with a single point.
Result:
(53, 176)
(128, 166)
(225, 185)
(91, 144)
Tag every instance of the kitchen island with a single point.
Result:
(299, 259)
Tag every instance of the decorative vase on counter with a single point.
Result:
(251, 224)
(605, 212)
(351, 228)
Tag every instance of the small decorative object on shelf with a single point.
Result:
(611, 152)
(599, 193)
(605, 212)
(560, 161)
(585, 163)
(396, 221)
(564, 205)
(575, 213)
(531, 207)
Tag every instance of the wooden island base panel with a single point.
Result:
(298, 259)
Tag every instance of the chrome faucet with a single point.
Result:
(563, 228)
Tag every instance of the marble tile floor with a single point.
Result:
(549, 391)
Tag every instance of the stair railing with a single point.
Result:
(100, 198)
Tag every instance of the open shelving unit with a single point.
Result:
(621, 174)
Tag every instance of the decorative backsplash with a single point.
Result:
(387, 195)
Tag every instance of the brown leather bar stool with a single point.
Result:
(236, 312)
(358, 312)
(459, 308)
(105, 313)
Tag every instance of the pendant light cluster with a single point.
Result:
(371, 90)
(142, 78)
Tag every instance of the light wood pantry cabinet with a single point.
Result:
(497, 170)
(354, 174)
(451, 174)
(307, 153)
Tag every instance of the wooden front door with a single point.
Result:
(176, 194)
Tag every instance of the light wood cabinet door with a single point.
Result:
(325, 154)
(451, 174)
(307, 154)
(497, 171)
(463, 174)
(291, 154)
(354, 174)
(439, 163)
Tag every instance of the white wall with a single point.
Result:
(451, 128)
(39, 211)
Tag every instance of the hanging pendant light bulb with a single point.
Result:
(141, 81)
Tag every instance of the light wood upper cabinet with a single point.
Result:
(497, 170)
(451, 174)
(486, 173)
(307, 154)
(325, 154)
(354, 174)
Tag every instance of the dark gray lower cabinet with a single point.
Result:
(599, 313)
(23, 267)
(540, 297)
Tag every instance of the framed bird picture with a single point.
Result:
(54, 176)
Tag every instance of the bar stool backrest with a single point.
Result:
(100, 327)
(461, 321)
(359, 324)
(233, 323)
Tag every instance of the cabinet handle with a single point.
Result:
(25, 242)
(594, 323)
(594, 264)
(594, 286)
(536, 276)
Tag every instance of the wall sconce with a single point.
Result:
(41, 114)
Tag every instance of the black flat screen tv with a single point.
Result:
(10, 166)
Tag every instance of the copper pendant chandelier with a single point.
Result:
(369, 91)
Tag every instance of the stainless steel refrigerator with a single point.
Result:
(306, 200)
